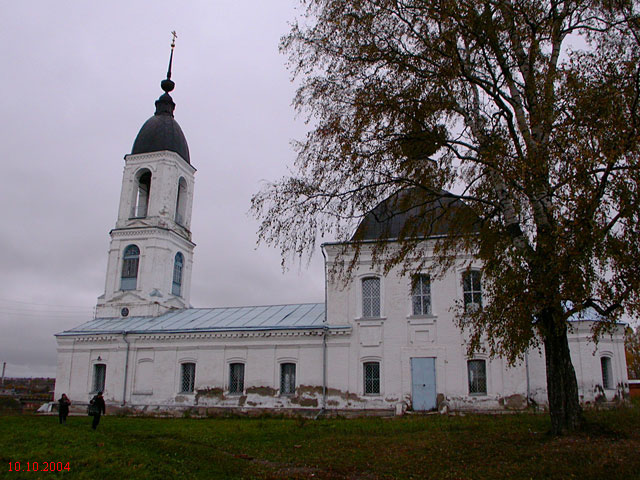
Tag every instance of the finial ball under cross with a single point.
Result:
(167, 84)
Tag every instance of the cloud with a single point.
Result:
(80, 80)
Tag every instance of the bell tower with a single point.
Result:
(151, 252)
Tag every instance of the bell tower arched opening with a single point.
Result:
(140, 205)
(181, 202)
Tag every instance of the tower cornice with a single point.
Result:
(160, 155)
(146, 231)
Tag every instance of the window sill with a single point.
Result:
(370, 319)
(478, 394)
(422, 319)
(235, 394)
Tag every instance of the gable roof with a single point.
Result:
(271, 317)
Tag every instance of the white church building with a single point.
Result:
(381, 343)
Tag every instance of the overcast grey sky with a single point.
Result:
(79, 80)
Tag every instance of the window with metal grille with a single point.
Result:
(472, 289)
(371, 371)
(236, 378)
(421, 295)
(607, 377)
(176, 287)
(131, 258)
(287, 378)
(188, 377)
(371, 297)
(477, 370)
(99, 375)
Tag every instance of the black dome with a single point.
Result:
(162, 132)
(416, 213)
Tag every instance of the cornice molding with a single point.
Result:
(128, 232)
(93, 338)
(161, 155)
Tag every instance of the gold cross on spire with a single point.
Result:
(173, 41)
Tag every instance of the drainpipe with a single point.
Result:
(126, 370)
(73, 354)
(325, 331)
(526, 366)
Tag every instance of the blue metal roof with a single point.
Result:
(272, 317)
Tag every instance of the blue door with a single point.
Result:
(423, 383)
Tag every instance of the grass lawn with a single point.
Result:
(421, 447)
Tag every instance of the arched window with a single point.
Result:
(236, 378)
(472, 290)
(187, 377)
(607, 372)
(371, 377)
(129, 278)
(143, 192)
(371, 297)
(178, 263)
(477, 374)
(99, 375)
(181, 202)
(287, 378)
(421, 295)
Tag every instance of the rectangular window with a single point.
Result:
(188, 377)
(607, 377)
(130, 264)
(472, 290)
(129, 278)
(371, 371)
(236, 378)
(99, 375)
(130, 267)
(371, 297)
(477, 370)
(287, 379)
(421, 295)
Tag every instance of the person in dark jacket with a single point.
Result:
(63, 408)
(98, 401)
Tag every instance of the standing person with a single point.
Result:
(98, 402)
(63, 408)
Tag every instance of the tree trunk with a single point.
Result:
(562, 386)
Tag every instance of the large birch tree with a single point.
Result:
(526, 110)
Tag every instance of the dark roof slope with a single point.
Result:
(162, 132)
(415, 213)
